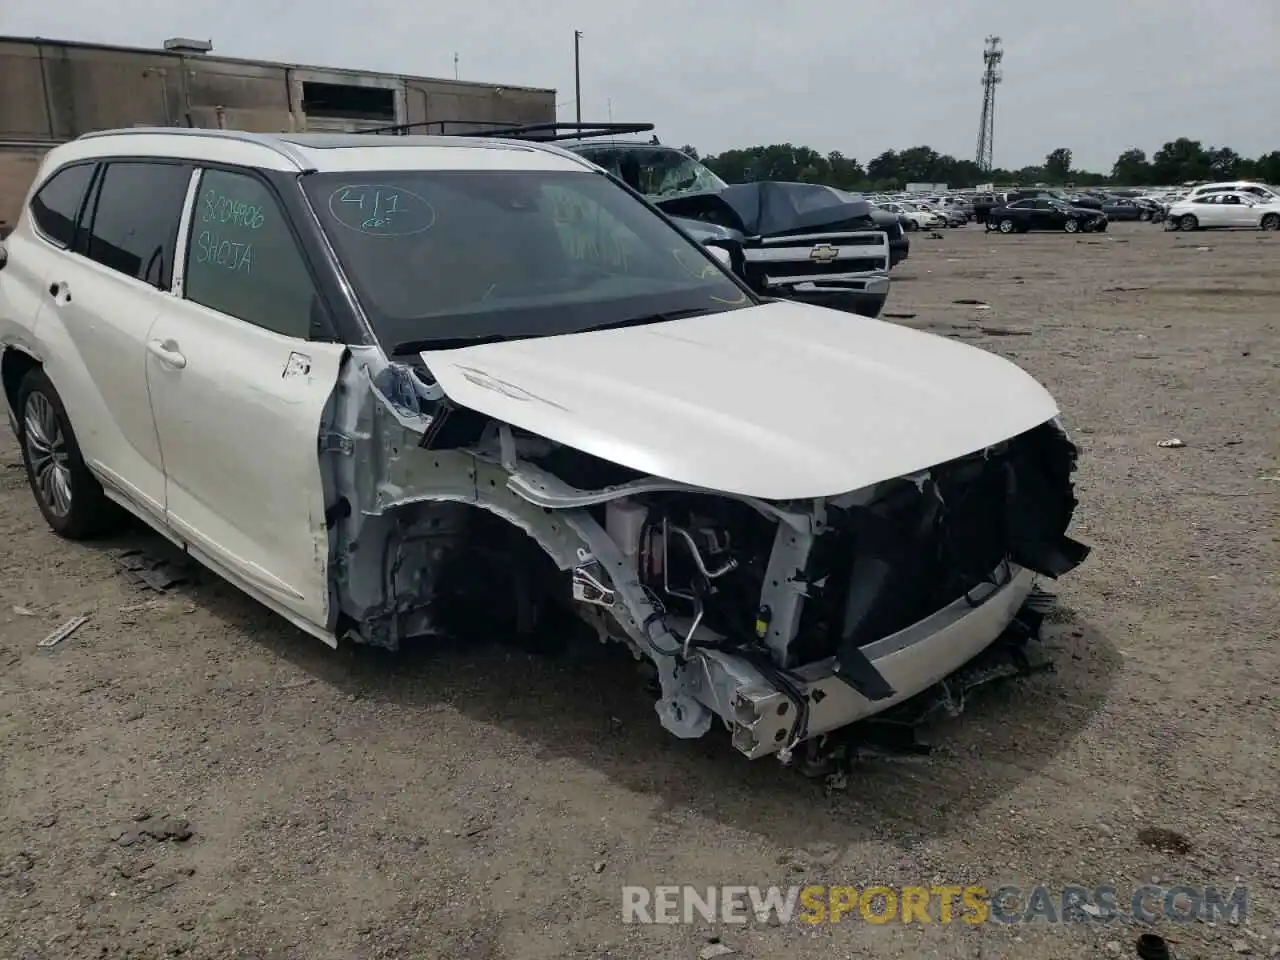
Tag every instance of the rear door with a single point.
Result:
(104, 294)
(239, 374)
(35, 248)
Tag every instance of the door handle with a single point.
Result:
(167, 352)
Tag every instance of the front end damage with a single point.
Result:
(784, 620)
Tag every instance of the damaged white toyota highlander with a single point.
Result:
(384, 385)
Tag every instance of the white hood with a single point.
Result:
(782, 401)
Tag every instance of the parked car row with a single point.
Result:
(1215, 205)
(1212, 205)
(926, 212)
(494, 391)
(920, 215)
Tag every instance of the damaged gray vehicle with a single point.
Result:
(392, 387)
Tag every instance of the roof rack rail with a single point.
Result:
(542, 132)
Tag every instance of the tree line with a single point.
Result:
(1178, 161)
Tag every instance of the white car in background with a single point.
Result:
(1260, 191)
(1225, 209)
(917, 218)
(393, 387)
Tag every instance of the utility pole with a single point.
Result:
(455, 66)
(992, 54)
(577, 74)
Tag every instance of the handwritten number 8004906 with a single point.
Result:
(380, 210)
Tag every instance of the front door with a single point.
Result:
(238, 388)
(1044, 215)
(1211, 212)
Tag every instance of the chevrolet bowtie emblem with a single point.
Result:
(824, 253)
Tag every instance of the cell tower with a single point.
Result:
(992, 54)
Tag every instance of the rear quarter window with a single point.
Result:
(56, 205)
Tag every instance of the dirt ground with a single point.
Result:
(187, 774)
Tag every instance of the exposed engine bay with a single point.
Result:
(785, 620)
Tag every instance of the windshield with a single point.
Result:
(656, 171)
(438, 256)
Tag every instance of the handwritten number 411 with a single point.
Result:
(384, 204)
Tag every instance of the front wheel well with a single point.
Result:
(15, 364)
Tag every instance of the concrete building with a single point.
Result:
(52, 91)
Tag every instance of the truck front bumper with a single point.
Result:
(864, 296)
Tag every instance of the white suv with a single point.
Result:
(397, 386)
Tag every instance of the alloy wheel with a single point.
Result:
(47, 453)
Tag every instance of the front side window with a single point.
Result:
(242, 258)
(134, 227)
(439, 256)
(56, 205)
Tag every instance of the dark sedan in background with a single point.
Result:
(1122, 208)
(1044, 213)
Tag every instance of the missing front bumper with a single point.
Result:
(763, 714)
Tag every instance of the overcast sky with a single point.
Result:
(1096, 76)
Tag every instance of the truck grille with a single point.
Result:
(809, 240)
(756, 272)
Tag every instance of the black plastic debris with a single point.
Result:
(152, 572)
(1164, 840)
(1152, 946)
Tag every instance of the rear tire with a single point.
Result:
(1007, 226)
(68, 495)
(1071, 226)
(1188, 223)
(1270, 222)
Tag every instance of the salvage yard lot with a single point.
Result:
(486, 804)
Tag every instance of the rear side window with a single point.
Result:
(242, 258)
(56, 205)
(135, 219)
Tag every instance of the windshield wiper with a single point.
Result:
(649, 318)
(451, 343)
